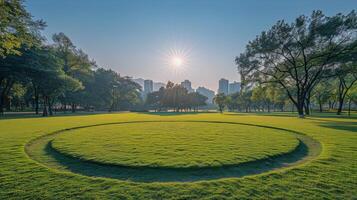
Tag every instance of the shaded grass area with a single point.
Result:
(332, 175)
(344, 126)
(42, 151)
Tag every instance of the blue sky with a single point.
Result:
(135, 37)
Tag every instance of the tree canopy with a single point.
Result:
(298, 55)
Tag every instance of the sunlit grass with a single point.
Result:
(174, 144)
(330, 176)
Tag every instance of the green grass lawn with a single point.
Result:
(174, 144)
(332, 175)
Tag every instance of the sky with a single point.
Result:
(141, 39)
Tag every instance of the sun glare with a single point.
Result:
(177, 61)
(176, 58)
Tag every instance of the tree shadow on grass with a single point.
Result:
(314, 115)
(41, 150)
(161, 174)
(274, 114)
(344, 126)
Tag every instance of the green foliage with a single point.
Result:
(352, 94)
(260, 96)
(107, 90)
(17, 28)
(298, 55)
(322, 93)
(63, 74)
(174, 97)
(221, 100)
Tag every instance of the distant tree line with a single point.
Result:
(312, 60)
(174, 97)
(35, 75)
(272, 98)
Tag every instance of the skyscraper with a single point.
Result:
(148, 86)
(207, 93)
(187, 84)
(223, 86)
(234, 87)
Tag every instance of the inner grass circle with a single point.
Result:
(174, 144)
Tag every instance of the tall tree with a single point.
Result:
(18, 31)
(297, 55)
(109, 91)
(75, 64)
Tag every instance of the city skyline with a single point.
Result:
(231, 87)
(208, 34)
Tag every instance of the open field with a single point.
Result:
(29, 171)
(174, 144)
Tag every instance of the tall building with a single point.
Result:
(158, 85)
(207, 93)
(148, 86)
(234, 87)
(187, 84)
(223, 86)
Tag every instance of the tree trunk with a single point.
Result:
(45, 112)
(50, 107)
(2, 101)
(36, 102)
(333, 104)
(73, 108)
(64, 107)
(342, 92)
(341, 97)
(307, 105)
(4, 93)
(320, 106)
(300, 108)
(307, 109)
(349, 107)
(340, 107)
(301, 112)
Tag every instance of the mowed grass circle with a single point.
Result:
(174, 144)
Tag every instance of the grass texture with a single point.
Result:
(332, 175)
(174, 144)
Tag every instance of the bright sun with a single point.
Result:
(177, 61)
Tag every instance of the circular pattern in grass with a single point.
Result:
(174, 144)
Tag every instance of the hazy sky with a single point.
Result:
(135, 38)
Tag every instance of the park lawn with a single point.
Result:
(174, 144)
(332, 175)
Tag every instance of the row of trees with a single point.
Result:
(174, 97)
(271, 97)
(302, 56)
(262, 98)
(36, 74)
